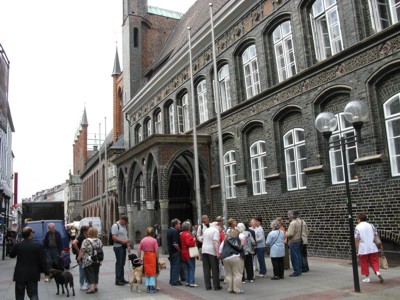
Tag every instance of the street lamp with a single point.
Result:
(355, 112)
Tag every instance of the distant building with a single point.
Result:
(279, 64)
(6, 153)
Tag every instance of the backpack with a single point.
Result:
(249, 248)
(110, 239)
(97, 254)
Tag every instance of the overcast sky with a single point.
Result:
(61, 58)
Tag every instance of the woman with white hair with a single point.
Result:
(276, 242)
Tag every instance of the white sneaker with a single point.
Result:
(84, 287)
(367, 279)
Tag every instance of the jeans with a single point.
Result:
(190, 267)
(53, 259)
(175, 261)
(120, 256)
(295, 255)
(82, 278)
(261, 260)
(31, 290)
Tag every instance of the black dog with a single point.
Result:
(63, 278)
(134, 260)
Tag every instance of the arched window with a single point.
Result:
(392, 121)
(224, 88)
(148, 128)
(384, 13)
(295, 159)
(230, 174)
(138, 134)
(183, 114)
(325, 25)
(258, 157)
(171, 117)
(284, 52)
(140, 190)
(202, 101)
(158, 122)
(345, 129)
(250, 68)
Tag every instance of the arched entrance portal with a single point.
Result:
(181, 189)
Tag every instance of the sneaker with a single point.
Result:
(380, 278)
(367, 279)
(240, 292)
(194, 285)
(251, 281)
(84, 287)
(243, 282)
(261, 276)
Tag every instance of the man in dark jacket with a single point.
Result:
(52, 244)
(30, 262)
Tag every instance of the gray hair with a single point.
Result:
(275, 224)
(185, 226)
(293, 213)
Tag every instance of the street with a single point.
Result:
(327, 279)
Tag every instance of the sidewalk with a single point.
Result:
(328, 279)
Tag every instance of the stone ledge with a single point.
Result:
(272, 177)
(314, 169)
(370, 159)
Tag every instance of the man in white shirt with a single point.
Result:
(260, 246)
(210, 252)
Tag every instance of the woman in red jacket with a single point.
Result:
(189, 263)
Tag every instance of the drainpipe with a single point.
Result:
(129, 130)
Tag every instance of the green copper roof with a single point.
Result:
(164, 12)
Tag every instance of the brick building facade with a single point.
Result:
(280, 63)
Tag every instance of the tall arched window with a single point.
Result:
(202, 101)
(392, 121)
(230, 174)
(148, 128)
(346, 130)
(158, 122)
(183, 114)
(384, 13)
(224, 87)
(258, 157)
(251, 76)
(295, 159)
(325, 24)
(138, 134)
(140, 190)
(171, 116)
(284, 52)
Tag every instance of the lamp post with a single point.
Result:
(356, 113)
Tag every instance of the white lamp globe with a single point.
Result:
(326, 122)
(356, 111)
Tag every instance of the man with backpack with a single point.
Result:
(121, 245)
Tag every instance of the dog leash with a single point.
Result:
(74, 266)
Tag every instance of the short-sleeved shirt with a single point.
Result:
(120, 233)
(365, 232)
(210, 235)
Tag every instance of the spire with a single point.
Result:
(84, 121)
(117, 68)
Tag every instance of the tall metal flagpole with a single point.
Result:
(196, 155)
(106, 179)
(100, 178)
(218, 106)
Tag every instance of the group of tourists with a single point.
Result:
(233, 253)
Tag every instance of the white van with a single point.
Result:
(96, 222)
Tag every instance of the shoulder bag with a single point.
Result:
(194, 252)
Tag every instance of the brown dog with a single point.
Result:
(136, 278)
(63, 279)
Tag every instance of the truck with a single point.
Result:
(45, 210)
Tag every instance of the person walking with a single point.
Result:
(260, 247)
(77, 244)
(90, 267)
(30, 263)
(121, 246)
(231, 255)
(189, 263)
(174, 250)
(149, 246)
(295, 242)
(366, 249)
(52, 245)
(276, 241)
(211, 243)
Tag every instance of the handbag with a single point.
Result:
(194, 252)
(377, 239)
(383, 263)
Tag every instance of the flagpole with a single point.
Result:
(106, 180)
(100, 181)
(218, 106)
(196, 155)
